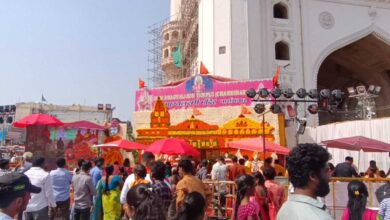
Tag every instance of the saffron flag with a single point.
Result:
(196, 111)
(275, 79)
(245, 110)
(176, 55)
(203, 70)
(141, 84)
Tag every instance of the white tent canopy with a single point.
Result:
(378, 129)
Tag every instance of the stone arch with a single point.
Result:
(175, 35)
(359, 59)
(373, 29)
(282, 50)
(166, 36)
(280, 10)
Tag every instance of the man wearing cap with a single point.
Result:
(15, 189)
(38, 207)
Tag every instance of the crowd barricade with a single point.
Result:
(224, 196)
(336, 201)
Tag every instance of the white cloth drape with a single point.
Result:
(378, 129)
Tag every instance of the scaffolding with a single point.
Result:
(158, 61)
(155, 74)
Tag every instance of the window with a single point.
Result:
(280, 11)
(282, 51)
(175, 35)
(222, 50)
(166, 53)
(166, 36)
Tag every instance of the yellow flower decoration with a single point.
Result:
(357, 193)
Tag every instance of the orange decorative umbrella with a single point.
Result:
(84, 125)
(173, 146)
(256, 144)
(37, 119)
(123, 144)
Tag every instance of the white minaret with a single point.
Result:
(175, 9)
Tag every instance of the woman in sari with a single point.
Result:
(109, 190)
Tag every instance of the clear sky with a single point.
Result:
(76, 51)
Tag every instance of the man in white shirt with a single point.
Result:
(147, 160)
(38, 207)
(220, 170)
(15, 189)
(307, 167)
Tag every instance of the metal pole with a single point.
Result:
(263, 120)
(264, 136)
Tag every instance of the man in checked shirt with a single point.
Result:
(161, 188)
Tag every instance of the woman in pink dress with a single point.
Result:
(357, 200)
(261, 196)
(245, 208)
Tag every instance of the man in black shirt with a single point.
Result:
(345, 169)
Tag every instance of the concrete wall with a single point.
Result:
(255, 39)
(240, 44)
(249, 32)
(64, 113)
(223, 37)
(206, 35)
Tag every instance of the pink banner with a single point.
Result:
(201, 92)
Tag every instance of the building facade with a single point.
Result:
(65, 113)
(318, 44)
(210, 139)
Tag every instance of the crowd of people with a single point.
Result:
(155, 190)
(349, 169)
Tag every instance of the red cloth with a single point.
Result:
(277, 197)
(235, 170)
(262, 200)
